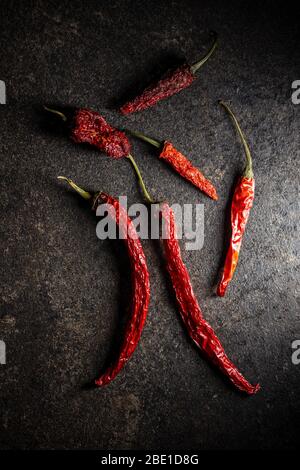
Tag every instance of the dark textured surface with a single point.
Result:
(62, 289)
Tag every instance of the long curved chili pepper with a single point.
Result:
(139, 276)
(199, 330)
(90, 127)
(171, 83)
(181, 164)
(241, 204)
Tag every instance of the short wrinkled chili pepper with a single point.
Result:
(139, 276)
(90, 127)
(198, 328)
(171, 83)
(180, 164)
(241, 204)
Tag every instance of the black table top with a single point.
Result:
(64, 293)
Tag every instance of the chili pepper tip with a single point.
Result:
(79, 190)
(197, 65)
(54, 111)
(140, 178)
(248, 172)
(144, 137)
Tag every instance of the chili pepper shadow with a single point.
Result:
(124, 296)
(124, 291)
(226, 232)
(155, 72)
(52, 124)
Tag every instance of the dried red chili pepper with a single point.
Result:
(139, 276)
(199, 330)
(90, 127)
(181, 164)
(171, 83)
(241, 204)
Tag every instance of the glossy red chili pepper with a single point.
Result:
(91, 128)
(181, 164)
(242, 202)
(139, 276)
(199, 330)
(171, 83)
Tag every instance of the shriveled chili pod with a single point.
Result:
(90, 127)
(139, 275)
(171, 83)
(241, 204)
(198, 328)
(181, 164)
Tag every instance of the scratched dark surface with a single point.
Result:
(64, 293)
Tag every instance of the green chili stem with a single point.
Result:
(54, 111)
(195, 67)
(248, 172)
(141, 136)
(136, 169)
(79, 190)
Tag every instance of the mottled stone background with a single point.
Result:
(64, 293)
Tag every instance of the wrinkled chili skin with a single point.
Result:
(171, 83)
(199, 330)
(140, 285)
(241, 205)
(185, 168)
(90, 127)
